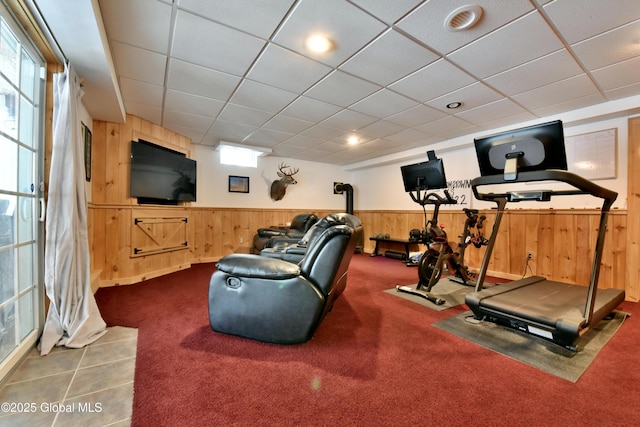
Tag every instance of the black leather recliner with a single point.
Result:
(300, 224)
(272, 300)
(294, 251)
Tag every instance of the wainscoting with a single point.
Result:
(561, 241)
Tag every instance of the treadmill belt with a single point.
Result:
(543, 302)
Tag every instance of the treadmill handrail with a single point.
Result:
(583, 185)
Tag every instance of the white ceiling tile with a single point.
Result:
(381, 129)
(288, 124)
(618, 75)
(507, 47)
(509, 120)
(408, 136)
(444, 125)
(387, 11)
(550, 68)
(196, 135)
(432, 81)
(287, 70)
(581, 19)
(400, 56)
(222, 130)
(571, 104)
(152, 113)
(241, 114)
(416, 116)
(264, 16)
(262, 97)
(491, 112)
(193, 104)
(349, 120)
(383, 103)
(285, 150)
(310, 109)
(574, 87)
(302, 141)
(140, 92)
(323, 132)
(346, 25)
(142, 23)
(191, 121)
(611, 47)
(426, 23)
(212, 45)
(342, 89)
(197, 80)
(623, 92)
(139, 64)
(471, 96)
(267, 138)
(331, 147)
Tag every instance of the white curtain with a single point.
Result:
(73, 319)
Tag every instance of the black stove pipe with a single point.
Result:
(339, 188)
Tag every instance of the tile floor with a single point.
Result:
(91, 386)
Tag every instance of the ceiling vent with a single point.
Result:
(463, 18)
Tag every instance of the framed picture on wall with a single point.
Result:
(86, 134)
(238, 184)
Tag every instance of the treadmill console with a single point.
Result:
(535, 195)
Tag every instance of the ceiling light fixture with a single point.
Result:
(454, 105)
(463, 18)
(353, 140)
(319, 44)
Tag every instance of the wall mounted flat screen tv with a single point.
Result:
(160, 175)
(537, 147)
(424, 176)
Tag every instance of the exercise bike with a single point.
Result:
(455, 260)
(439, 252)
(435, 239)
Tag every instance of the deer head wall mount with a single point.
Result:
(279, 186)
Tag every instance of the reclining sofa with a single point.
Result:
(300, 224)
(293, 251)
(272, 300)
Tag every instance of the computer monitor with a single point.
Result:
(424, 176)
(532, 148)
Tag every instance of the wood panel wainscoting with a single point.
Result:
(562, 241)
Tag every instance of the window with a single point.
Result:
(240, 155)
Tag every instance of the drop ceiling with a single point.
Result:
(239, 71)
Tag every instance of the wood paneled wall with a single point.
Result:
(562, 241)
(632, 242)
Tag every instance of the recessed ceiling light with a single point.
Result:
(319, 44)
(353, 140)
(463, 18)
(454, 105)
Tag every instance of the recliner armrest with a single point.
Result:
(272, 232)
(255, 266)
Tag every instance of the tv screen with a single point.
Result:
(537, 147)
(424, 176)
(160, 175)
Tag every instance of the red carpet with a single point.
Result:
(375, 360)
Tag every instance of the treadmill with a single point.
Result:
(556, 311)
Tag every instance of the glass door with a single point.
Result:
(21, 227)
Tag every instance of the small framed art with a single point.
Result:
(238, 184)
